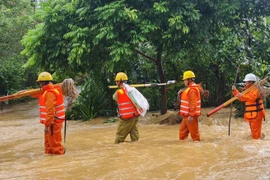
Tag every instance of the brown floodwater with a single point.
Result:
(92, 154)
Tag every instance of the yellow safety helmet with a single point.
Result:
(188, 75)
(44, 76)
(121, 77)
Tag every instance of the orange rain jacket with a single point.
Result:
(51, 105)
(254, 104)
(190, 105)
(254, 112)
(52, 114)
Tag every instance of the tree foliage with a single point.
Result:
(15, 20)
(91, 102)
(153, 40)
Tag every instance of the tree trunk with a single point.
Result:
(220, 88)
(163, 99)
(158, 62)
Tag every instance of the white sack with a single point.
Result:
(138, 99)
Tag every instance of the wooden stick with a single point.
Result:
(29, 92)
(235, 79)
(234, 98)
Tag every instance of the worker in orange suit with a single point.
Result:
(127, 112)
(52, 113)
(254, 109)
(190, 107)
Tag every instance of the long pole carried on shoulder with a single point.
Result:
(235, 97)
(28, 92)
(147, 85)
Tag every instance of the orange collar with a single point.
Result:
(46, 87)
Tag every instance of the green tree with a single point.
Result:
(15, 20)
(81, 36)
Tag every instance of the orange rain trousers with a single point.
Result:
(256, 125)
(256, 128)
(192, 128)
(53, 141)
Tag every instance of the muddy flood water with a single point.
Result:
(92, 154)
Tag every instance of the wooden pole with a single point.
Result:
(28, 92)
(235, 79)
(234, 98)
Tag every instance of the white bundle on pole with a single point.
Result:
(138, 99)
